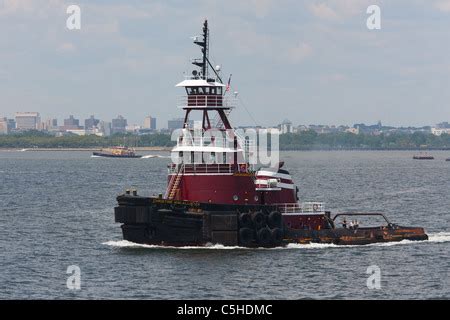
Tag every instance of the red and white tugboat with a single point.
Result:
(214, 195)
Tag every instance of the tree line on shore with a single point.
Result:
(306, 140)
(38, 139)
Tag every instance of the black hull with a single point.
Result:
(108, 155)
(177, 223)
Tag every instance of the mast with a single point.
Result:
(203, 63)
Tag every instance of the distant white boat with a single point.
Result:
(150, 156)
(23, 150)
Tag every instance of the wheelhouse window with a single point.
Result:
(191, 90)
(204, 90)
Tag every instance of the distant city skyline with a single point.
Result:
(149, 121)
(313, 62)
(164, 125)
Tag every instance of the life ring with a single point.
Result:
(315, 207)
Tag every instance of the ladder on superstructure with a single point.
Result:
(174, 183)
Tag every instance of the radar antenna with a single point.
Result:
(204, 62)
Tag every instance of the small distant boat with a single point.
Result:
(423, 156)
(448, 159)
(117, 152)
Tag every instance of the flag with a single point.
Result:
(228, 84)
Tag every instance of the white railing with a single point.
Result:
(192, 140)
(198, 168)
(305, 207)
(189, 141)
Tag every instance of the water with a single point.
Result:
(57, 211)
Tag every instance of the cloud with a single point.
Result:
(323, 11)
(14, 6)
(261, 7)
(333, 78)
(298, 53)
(339, 9)
(66, 47)
(127, 47)
(443, 5)
(36, 9)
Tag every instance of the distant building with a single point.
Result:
(300, 128)
(133, 128)
(119, 125)
(4, 125)
(50, 124)
(27, 120)
(443, 125)
(11, 125)
(71, 124)
(440, 131)
(78, 132)
(150, 123)
(352, 130)
(90, 123)
(175, 124)
(103, 129)
(323, 129)
(286, 127)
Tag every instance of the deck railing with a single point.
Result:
(305, 207)
(207, 141)
(190, 140)
(199, 168)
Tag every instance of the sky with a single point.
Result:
(312, 62)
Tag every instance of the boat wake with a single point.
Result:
(129, 244)
(439, 237)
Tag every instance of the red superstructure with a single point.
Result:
(213, 164)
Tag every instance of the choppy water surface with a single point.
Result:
(57, 210)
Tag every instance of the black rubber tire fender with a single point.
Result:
(259, 220)
(277, 235)
(264, 236)
(246, 236)
(275, 219)
(245, 220)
